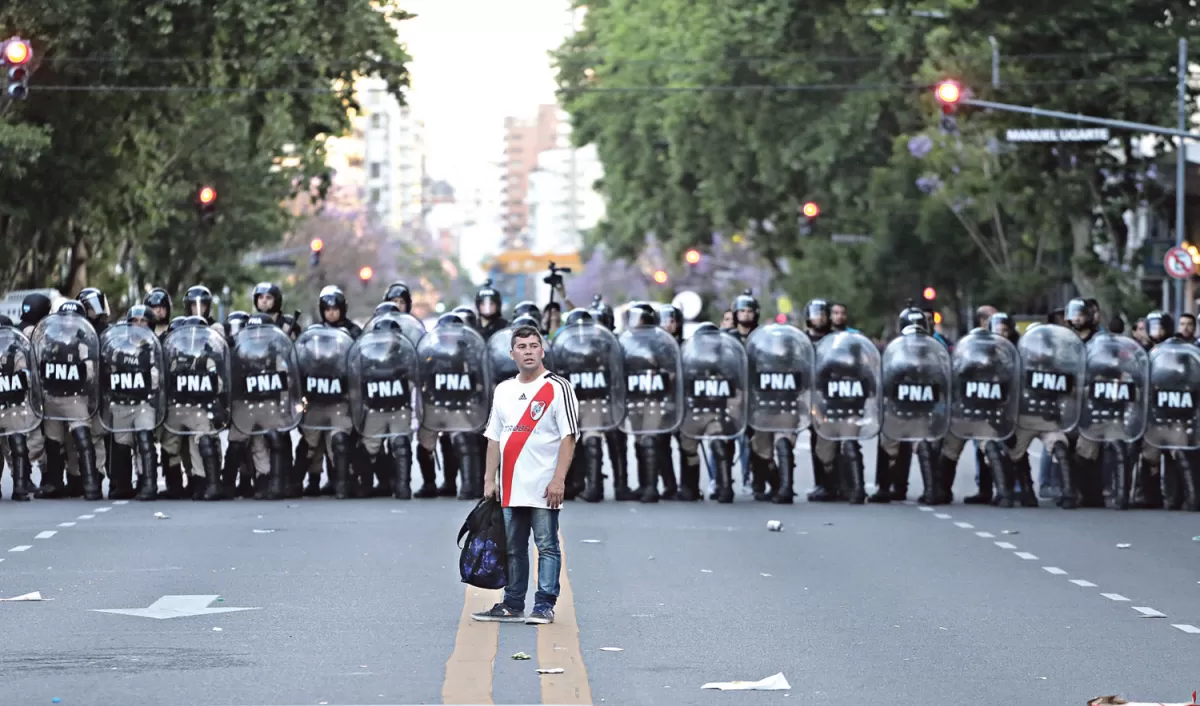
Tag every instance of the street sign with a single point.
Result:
(174, 607)
(1087, 134)
(1179, 263)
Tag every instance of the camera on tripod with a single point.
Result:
(554, 279)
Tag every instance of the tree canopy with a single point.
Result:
(727, 117)
(134, 105)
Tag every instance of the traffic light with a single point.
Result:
(206, 204)
(17, 54)
(930, 294)
(316, 246)
(810, 210)
(948, 94)
(365, 275)
(660, 276)
(692, 256)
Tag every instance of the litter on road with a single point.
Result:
(35, 596)
(775, 682)
(556, 670)
(161, 516)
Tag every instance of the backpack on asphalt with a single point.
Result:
(483, 562)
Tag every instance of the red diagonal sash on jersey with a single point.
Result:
(516, 440)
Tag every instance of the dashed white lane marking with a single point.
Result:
(1189, 629)
(1026, 556)
(66, 524)
(103, 509)
(964, 525)
(120, 502)
(942, 516)
(985, 535)
(1054, 570)
(925, 509)
(1114, 597)
(1149, 612)
(1081, 582)
(46, 535)
(1005, 545)
(21, 548)
(86, 517)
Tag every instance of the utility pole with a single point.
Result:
(572, 162)
(1181, 176)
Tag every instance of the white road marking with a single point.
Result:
(1054, 570)
(120, 502)
(985, 535)
(964, 525)
(1149, 612)
(1005, 545)
(1189, 629)
(103, 509)
(1114, 597)
(1026, 556)
(942, 516)
(86, 517)
(925, 509)
(21, 548)
(46, 535)
(1081, 582)
(66, 524)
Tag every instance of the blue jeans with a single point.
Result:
(518, 521)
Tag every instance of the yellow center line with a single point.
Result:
(558, 646)
(470, 667)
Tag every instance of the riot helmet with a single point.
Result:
(745, 302)
(72, 307)
(706, 327)
(268, 298)
(1159, 326)
(579, 316)
(235, 322)
(488, 301)
(1001, 324)
(387, 308)
(260, 319)
(159, 299)
(385, 324)
(34, 308)
(176, 323)
(911, 316)
(399, 295)
(641, 314)
(450, 319)
(331, 299)
(140, 315)
(671, 319)
(467, 314)
(817, 315)
(525, 320)
(194, 320)
(1079, 315)
(197, 301)
(527, 308)
(5, 322)
(603, 313)
(95, 303)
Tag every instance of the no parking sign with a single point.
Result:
(1179, 263)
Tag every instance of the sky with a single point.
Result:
(476, 62)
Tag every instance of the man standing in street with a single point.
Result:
(531, 437)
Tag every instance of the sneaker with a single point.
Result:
(541, 615)
(499, 613)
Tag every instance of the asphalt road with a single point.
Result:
(358, 602)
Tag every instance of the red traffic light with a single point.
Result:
(781, 318)
(660, 276)
(365, 273)
(930, 293)
(948, 92)
(207, 195)
(811, 210)
(692, 257)
(316, 245)
(17, 51)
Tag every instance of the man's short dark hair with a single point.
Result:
(525, 332)
(1187, 316)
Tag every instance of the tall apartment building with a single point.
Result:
(524, 139)
(563, 174)
(393, 157)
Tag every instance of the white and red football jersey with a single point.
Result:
(529, 421)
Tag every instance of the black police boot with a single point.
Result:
(339, 448)
(722, 459)
(1023, 474)
(883, 477)
(384, 471)
(210, 457)
(689, 480)
(198, 487)
(235, 459)
(929, 478)
(855, 481)
(592, 452)
(666, 467)
(428, 465)
(944, 472)
(297, 473)
(987, 482)
(467, 451)
(279, 447)
(1188, 467)
(1002, 474)
(1070, 487)
(573, 484)
(148, 480)
(646, 453)
(450, 468)
(362, 472)
(1088, 474)
(785, 462)
(900, 469)
(51, 484)
(825, 477)
(1122, 478)
(401, 464)
(173, 474)
(120, 472)
(21, 468)
(90, 475)
(618, 456)
(758, 476)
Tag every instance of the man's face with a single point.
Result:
(727, 320)
(527, 353)
(399, 301)
(554, 319)
(160, 313)
(838, 315)
(671, 326)
(264, 303)
(487, 308)
(1140, 327)
(332, 316)
(140, 322)
(1187, 327)
(745, 317)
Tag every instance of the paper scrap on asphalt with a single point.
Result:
(521, 656)
(612, 649)
(590, 541)
(1010, 532)
(764, 575)
(162, 516)
(35, 596)
(266, 531)
(706, 571)
(1124, 546)
(556, 670)
(776, 682)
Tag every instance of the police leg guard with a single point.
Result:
(591, 451)
(1172, 480)
(689, 479)
(428, 465)
(235, 459)
(1023, 479)
(899, 473)
(22, 471)
(883, 476)
(120, 472)
(401, 464)
(1122, 477)
(618, 456)
(339, 448)
(383, 469)
(148, 480)
(944, 473)
(646, 454)
(51, 484)
(785, 461)
(1002, 472)
(1147, 488)
(362, 472)
(666, 467)
(989, 481)
(760, 470)
(1188, 465)
(929, 477)
(210, 457)
(1070, 486)
(856, 482)
(89, 474)
(722, 459)
(278, 465)
(466, 447)
(312, 479)
(450, 467)
(573, 485)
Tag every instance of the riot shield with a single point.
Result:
(410, 326)
(383, 372)
(1052, 363)
(500, 364)
(1174, 391)
(68, 354)
(133, 393)
(267, 394)
(987, 382)
(846, 386)
(590, 357)
(1116, 377)
(916, 389)
(198, 381)
(20, 388)
(321, 352)
(715, 375)
(653, 380)
(780, 360)
(456, 381)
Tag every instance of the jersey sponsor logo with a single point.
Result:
(519, 437)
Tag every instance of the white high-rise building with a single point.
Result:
(554, 225)
(393, 157)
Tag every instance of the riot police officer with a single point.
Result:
(488, 303)
(1174, 387)
(47, 453)
(197, 410)
(764, 471)
(132, 406)
(399, 295)
(68, 352)
(818, 324)
(616, 441)
(159, 302)
(383, 372)
(20, 405)
(653, 401)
